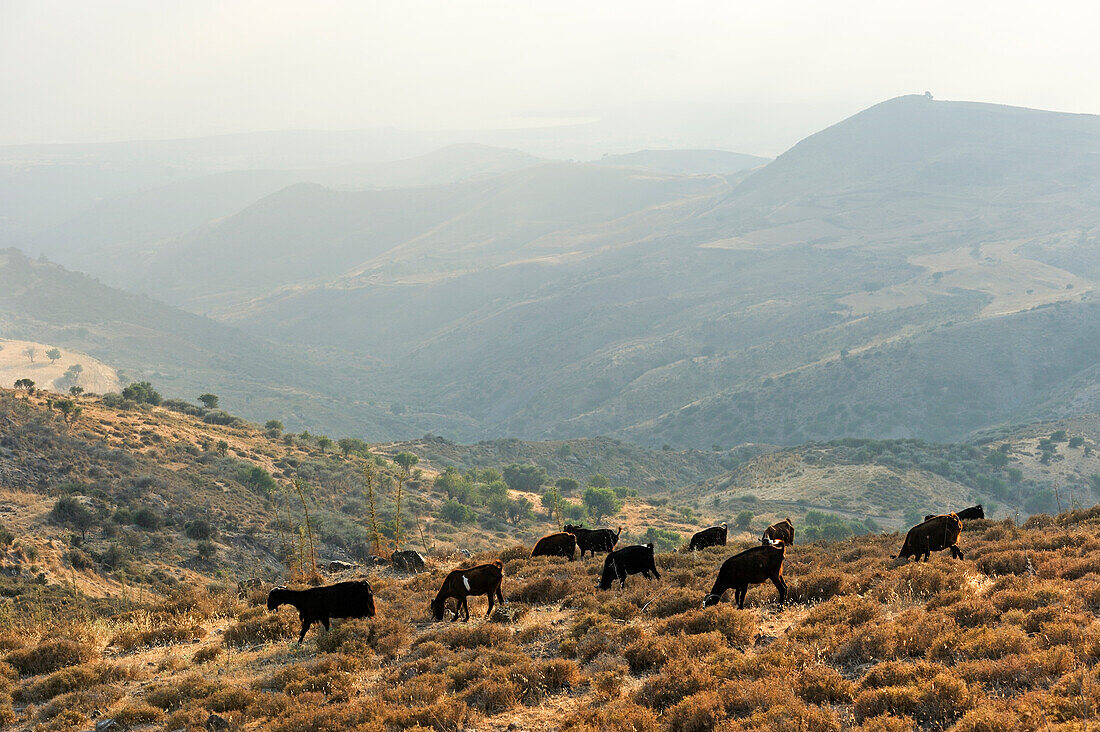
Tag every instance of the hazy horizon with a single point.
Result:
(752, 80)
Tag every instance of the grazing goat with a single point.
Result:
(319, 604)
(625, 561)
(750, 567)
(781, 530)
(714, 536)
(561, 544)
(594, 540)
(484, 579)
(934, 535)
(967, 514)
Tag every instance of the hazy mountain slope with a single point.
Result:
(118, 239)
(308, 232)
(686, 162)
(865, 237)
(938, 385)
(186, 355)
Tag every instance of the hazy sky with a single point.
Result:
(92, 71)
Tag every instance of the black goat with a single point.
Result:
(560, 544)
(484, 579)
(626, 561)
(967, 514)
(594, 540)
(714, 536)
(319, 604)
(750, 567)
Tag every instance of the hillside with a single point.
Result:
(807, 300)
(186, 355)
(618, 328)
(69, 369)
(140, 620)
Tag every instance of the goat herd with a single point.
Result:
(755, 565)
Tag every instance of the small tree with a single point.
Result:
(210, 401)
(525, 477)
(222, 448)
(142, 392)
(566, 485)
(599, 481)
(30, 352)
(273, 427)
(76, 390)
(206, 550)
(406, 460)
(53, 354)
(325, 443)
(743, 520)
(349, 445)
(601, 502)
(25, 384)
(70, 512)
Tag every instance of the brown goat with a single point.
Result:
(561, 544)
(934, 535)
(484, 579)
(750, 567)
(781, 530)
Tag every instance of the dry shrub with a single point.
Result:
(604, 639)
(670, 687)
(986, 642)
(558, 673)
(991, 716)
(72, 679)
(843, 611)
(923, 580)
(494, 694)
(818, 586)
(939, 701)
(509, 614)
(646, 653)
(737, 626)
(456, 636)
(822, 684)
(1018, 672)
(1005, 562)
(515, 552)
(888, 724)
(82, 701)
(541, 591)
(231, 699)
(206, 655)
(418, 690)
(182, 632)
(257, 626)
(329, 676)
(673, 601)
(134, 713)
(619, 608)
(49, 656)
(697, 713)
(618, 714)
(172, 696)
(360, 636)
(445, 715)
(354, 717)
(744, 698)
(973, 612)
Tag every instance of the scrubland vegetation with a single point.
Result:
(1006, 639)
(124, 532)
